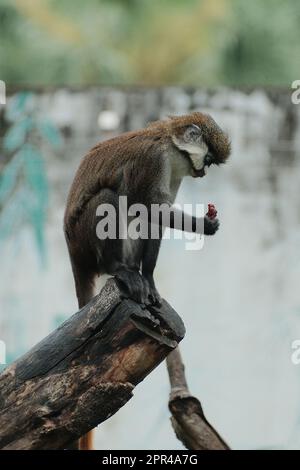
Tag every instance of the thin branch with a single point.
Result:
(188, 420)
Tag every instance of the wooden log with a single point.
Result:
(84, 371)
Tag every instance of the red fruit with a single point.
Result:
(212, 211)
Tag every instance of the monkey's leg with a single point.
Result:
(84, 285)
(120, 257)
(150, 254)
(133, 283)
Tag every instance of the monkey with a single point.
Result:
(147, 166)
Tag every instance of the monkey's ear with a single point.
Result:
(192, 132)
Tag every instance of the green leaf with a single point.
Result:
(51, 133)
(12, 215)
(28, 203)
(37, 195)
(35, 174)
(16, 135)
(8, 177)
(17, 105)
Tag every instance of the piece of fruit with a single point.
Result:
(212, 211)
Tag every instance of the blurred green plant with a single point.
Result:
(198, 42)
(23, 180)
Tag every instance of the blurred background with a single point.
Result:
(149, 42)
(78, 72)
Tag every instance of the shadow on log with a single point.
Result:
(84, 371)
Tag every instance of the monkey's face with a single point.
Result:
(192, 144)
(201, 141)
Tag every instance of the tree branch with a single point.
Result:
(188, 420)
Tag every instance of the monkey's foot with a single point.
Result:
(153, 295)
(134, 285)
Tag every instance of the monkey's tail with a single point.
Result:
(84, 282)
(86, 441)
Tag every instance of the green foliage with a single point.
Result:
(200, 42)
(263, 44)
(17, 134)
(50, 133)
(23, 181)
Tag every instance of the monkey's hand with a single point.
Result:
(210, 225)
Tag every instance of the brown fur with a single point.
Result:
(218, 142)
(112, 162)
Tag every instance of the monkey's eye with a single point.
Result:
(208, 159)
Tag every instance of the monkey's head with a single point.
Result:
(201, 140)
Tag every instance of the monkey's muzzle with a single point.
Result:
(199, 173)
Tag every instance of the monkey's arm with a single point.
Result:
(182, 221)
(174, 218)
